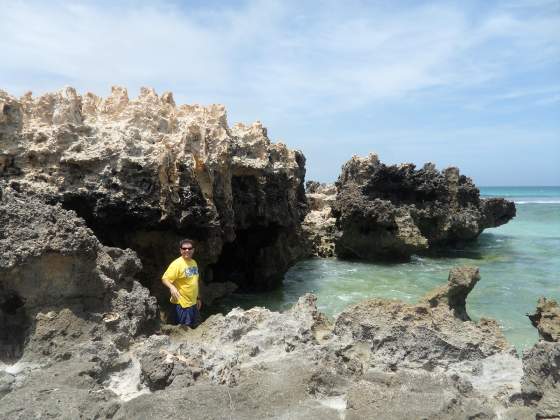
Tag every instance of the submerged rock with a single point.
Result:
(391, 212)
(144, 173)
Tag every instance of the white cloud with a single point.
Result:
(297, 65)
(271, 51)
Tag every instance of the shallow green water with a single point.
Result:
(518, 262)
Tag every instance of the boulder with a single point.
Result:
(391, 212)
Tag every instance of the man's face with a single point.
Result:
(187, 250)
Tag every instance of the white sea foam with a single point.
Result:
(537, 202)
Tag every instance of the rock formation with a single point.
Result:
(144, 173)
(319, 225)
(546, 319)
(454, 294)
(391, 212)
(541, 364)
(54, 272)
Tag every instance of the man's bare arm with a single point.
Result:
(174, 292)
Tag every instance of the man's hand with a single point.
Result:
(174, 292)
(198, 304)
(172, 289)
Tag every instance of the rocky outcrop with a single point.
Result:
(57, 280)
(454, 294)
(546, 319)
(144, 173)
(380, 359)
(391, 212)
(319, 225)
(541, 364)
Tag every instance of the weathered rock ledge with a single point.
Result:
(144, 173)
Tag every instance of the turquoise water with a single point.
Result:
(518, 262)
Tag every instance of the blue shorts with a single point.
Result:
(187, 316)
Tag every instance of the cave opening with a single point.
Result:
(14, 326)
(249, 260)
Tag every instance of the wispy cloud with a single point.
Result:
(272, 51)
(297, 65)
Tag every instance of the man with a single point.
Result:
(181, 278)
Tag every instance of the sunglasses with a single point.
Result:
(187, 249)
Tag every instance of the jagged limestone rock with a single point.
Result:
(319, 225)
(57, 280)
(144, 173)
(391, 212)
(546, 319)
(541, 363)
(460, 282)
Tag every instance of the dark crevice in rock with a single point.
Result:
(14, 326)
(243, 261)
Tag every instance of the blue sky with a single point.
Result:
(473, 84)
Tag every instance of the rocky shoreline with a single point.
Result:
(95, 193)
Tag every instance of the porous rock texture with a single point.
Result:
(144, 173)
(319, 225)
(68, 306)
(541, 364)
(546, 319)
(391, 212)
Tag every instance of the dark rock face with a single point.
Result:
(146, 173)
(391, 212)
(56, 276)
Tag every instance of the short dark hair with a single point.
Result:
(186, 241)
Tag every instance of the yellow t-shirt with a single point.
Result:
(184, 276)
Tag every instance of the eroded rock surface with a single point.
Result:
(319, 225)
(454, 294)
(541, 364)
(391, 212)
(55, 275)
(546, 319)
(68, 307)
(144, 172)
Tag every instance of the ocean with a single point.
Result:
(518, 261)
